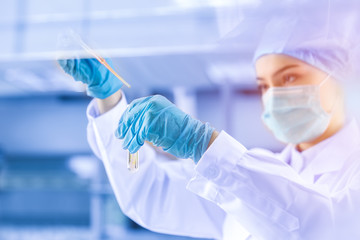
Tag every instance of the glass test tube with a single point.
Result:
(133, 161)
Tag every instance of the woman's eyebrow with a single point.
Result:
(284, 68)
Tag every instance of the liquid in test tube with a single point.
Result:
(133, 161)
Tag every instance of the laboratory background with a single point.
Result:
(198, 53)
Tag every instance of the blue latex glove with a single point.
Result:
(101, 83)
(157, 120)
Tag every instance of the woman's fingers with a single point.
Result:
(133, 111)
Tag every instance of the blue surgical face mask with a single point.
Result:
(294, 114)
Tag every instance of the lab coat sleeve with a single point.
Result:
(268, 197)
(155, 196)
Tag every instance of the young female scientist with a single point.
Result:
(311, 190)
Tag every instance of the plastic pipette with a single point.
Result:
(101, 60)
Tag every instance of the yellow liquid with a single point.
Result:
(133, 162)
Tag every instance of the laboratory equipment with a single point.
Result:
(99, 58)
(133, 161)
(72, 38)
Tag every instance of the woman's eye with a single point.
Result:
(289, 79)
(263, 88)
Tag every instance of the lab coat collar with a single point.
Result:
(331, 154)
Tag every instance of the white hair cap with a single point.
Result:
(327, 38)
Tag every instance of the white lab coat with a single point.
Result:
(235, 193)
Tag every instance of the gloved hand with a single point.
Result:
(157, 120)
(101, 83)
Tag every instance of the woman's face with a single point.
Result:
(278, 70)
